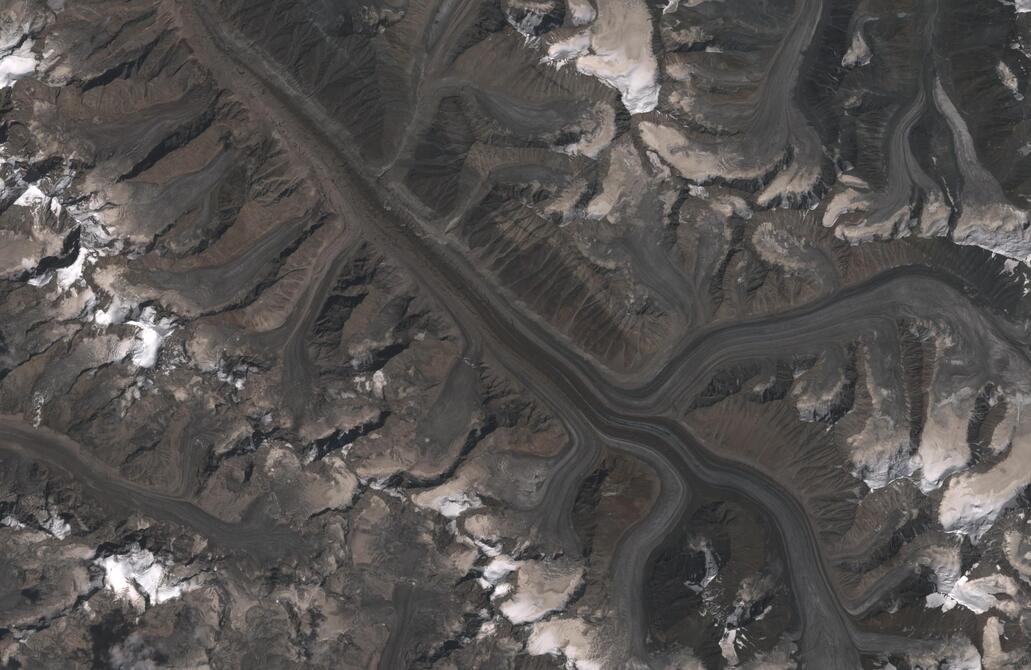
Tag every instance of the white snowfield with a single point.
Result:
(17, 59)
(991, 591)
(115, 313)
(31, 197)
(140, 578)
(565, 637)
(16, 63)
(615, 49)
(152, 332)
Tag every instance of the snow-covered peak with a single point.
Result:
(141, 578)
(31, 197)
(152, 332)
(16, 63)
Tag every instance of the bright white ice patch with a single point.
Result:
(449, 500)
(727, 647)
(858, 53)
(712, 568)
(140, 578)
(635, 80)
(616, 49)
(66, 277)
(379, 382)
(152, 332)
(11, 522)
(580, 12)
(57, 527)
(373, 384)
(16, 64)
(541, 588)
(31, 197)
(1008, 79)
(454, 506)
(978, 595)
(564, 637)
(496, 570)
(115, 313)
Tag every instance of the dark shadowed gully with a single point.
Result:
(517, 334)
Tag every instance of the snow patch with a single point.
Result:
(1009, 80)
(636, 80)
(382, 486)
(616, 50)
(965, 512)
(67, 276)
(978, 594)
(455, 506)
(11, 522)
(57, 527)
(374, 384)
(31, 197)
(712, 567)
(943, 446)
(41, 280)
(379, 382)
(500, 591)
(115, 313)
(16, 63)
(564, 637)
(563, 51)
(727, 649)
(956, 653)
(974, 499)
(140, 578)
(496, 570)
(149, 336)
(237, 378)
(580, 12)
(858, 53)
(542, 588)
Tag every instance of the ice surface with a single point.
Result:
(17, 64)
(616, 50)
(30, 197)
(140, 578)
(115, 313)
(566, 637)
(453, 506)
(152, 332)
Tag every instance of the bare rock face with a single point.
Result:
(515, 334)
